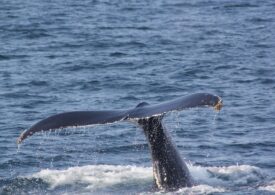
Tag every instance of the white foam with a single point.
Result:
(95, 176)
(209, 179)
(201, 189)
(269, 187)
(195, 190)
(237, 174)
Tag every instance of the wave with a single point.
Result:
(238, 175)
(269, 187)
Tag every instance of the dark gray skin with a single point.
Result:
(170, 171)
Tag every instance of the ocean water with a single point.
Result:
(58, 56)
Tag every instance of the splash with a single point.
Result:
(201, 189)
(239, 175)
(95, 176)
(92, 178)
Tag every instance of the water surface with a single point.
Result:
(58, 56)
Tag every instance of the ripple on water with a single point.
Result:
(60, 56)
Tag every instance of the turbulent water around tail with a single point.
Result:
(119, 179)
(90, 169)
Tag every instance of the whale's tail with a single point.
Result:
(169, 170)
(143, 110)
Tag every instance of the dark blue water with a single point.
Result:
(58, 56)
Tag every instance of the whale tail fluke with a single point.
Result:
(142, 110)
(73, 119)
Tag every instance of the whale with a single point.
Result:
(170, 172)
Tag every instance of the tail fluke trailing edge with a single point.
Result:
(72, 119)
(83, 118)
